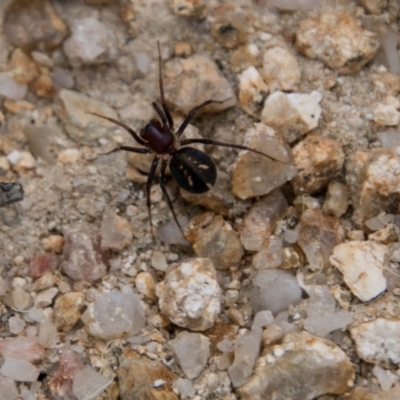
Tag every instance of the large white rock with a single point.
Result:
(362, 264)
(190, 295)
(378, 341)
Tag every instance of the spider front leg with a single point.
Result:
(162, 96)
(127, 148)
(148, 188)
(164, 190)
(124, 126)
(192, 112)
(231, 145)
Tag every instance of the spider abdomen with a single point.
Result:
(193, 170)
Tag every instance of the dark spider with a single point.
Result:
(192, 169)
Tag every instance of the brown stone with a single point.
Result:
(319, 160)
(33, 24)
(137, 375)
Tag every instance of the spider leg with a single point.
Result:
(162, 97)
(148, 187)
(231, 145)
(192, 112)
(128, 148)
(161, 114)
(126, 127)
(164, 190)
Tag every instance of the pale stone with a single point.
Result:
(159, 261)
(69, 156)
(45, 297)
(116, 232)
(374, 182)
(362, 265)
(25, 348)
(262, 319)
(82, 259)
(53, 243)
(8, 389)
(218, 241)
(293, 114)
(48, 336)
(252, 91)
(21, 159)
(245, 57)
(260, 221)
(280, 70)
(255, 174)
(338, 40)
(195, 344)
(386, 378)
(269, 254)
(322, 316)
(75, 111)
(318, 235)
(386, 115)
(190, 295)
(88, 383)
(302, 367)
(33, 25)
(272, 334)
(91, 42)
(192, 81)
(19, 299)
(46, 281)
(16, 325)
(378, 341)
(246, 350)
(274, 290)
(114, 314)
(336, 199)
(184, 387)
(19, 370)
(319, 160)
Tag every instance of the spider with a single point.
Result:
(192, 169)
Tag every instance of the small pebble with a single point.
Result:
(192, 364)
(274, 290)
(19, 370)
(256, 175)
(114, 314)
(293, 114)
(280, 70)
(87, 384)
(68, 310)
(145, 284)
(218, 241)
(190, 295)
(349, 48)
(91, 42)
